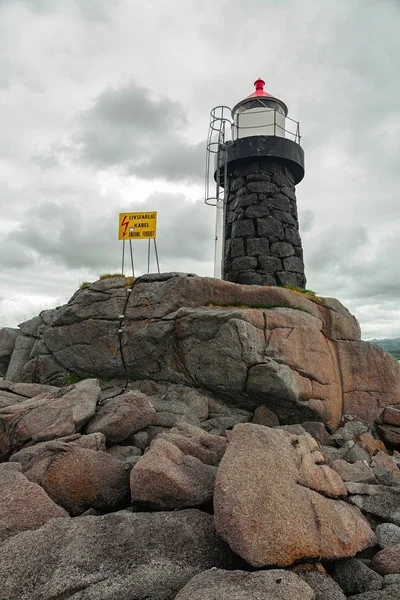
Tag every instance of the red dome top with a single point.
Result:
(259, 93)
(259, 85)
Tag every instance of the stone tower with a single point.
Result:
(259, 169)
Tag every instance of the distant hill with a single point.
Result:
(390, 345)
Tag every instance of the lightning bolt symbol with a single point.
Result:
(124, 223)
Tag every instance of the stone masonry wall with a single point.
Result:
(262, 240)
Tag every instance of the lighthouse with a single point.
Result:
(258, 161)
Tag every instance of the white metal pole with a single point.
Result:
(219, 238)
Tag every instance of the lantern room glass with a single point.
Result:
(258, 116)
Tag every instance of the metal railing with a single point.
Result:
(291, 130)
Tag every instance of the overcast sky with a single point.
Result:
(104, 108)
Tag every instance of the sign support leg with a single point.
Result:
(148, 257)
(131, 249)
(155, 250)
(123, 256)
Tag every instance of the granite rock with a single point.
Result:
(276, 584)
(354, 577)
(23, 505)
(388, 535)
(120, 555)
(122, 416)
(47, 416)
(265, 477)
(387, 561)
(165, 477)
(325, 588)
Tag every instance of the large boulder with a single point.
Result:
(178, 470)
(23, 504)
(276, 504)
(276, 584)
(35, 460)
(50, 415)
(167, 478)
(19, 357)
(8, 335)
(193, 441)
(387, 560)
(355, 577)
(252, 345)
(76, 472)
(75, 476)
(388, 534)
(325, 588)
(79, 479)
(122, 416)
(121, 555)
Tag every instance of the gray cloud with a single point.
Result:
(14, 255)
(91, 10)
(129, 128)
(38, 6)
(306, 219)
(173, 160)
(344, 262)
(5, 73)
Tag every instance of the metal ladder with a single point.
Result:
(215, 146)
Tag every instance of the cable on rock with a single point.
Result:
(120, 344)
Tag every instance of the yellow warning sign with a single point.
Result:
(137, 225)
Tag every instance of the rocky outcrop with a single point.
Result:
(249, 345)
(244, 409)
(275, 502)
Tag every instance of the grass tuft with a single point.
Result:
(308, 293)
(110, 275)
(73, 378)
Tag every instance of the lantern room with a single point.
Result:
(259, 114)
(257, 127)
